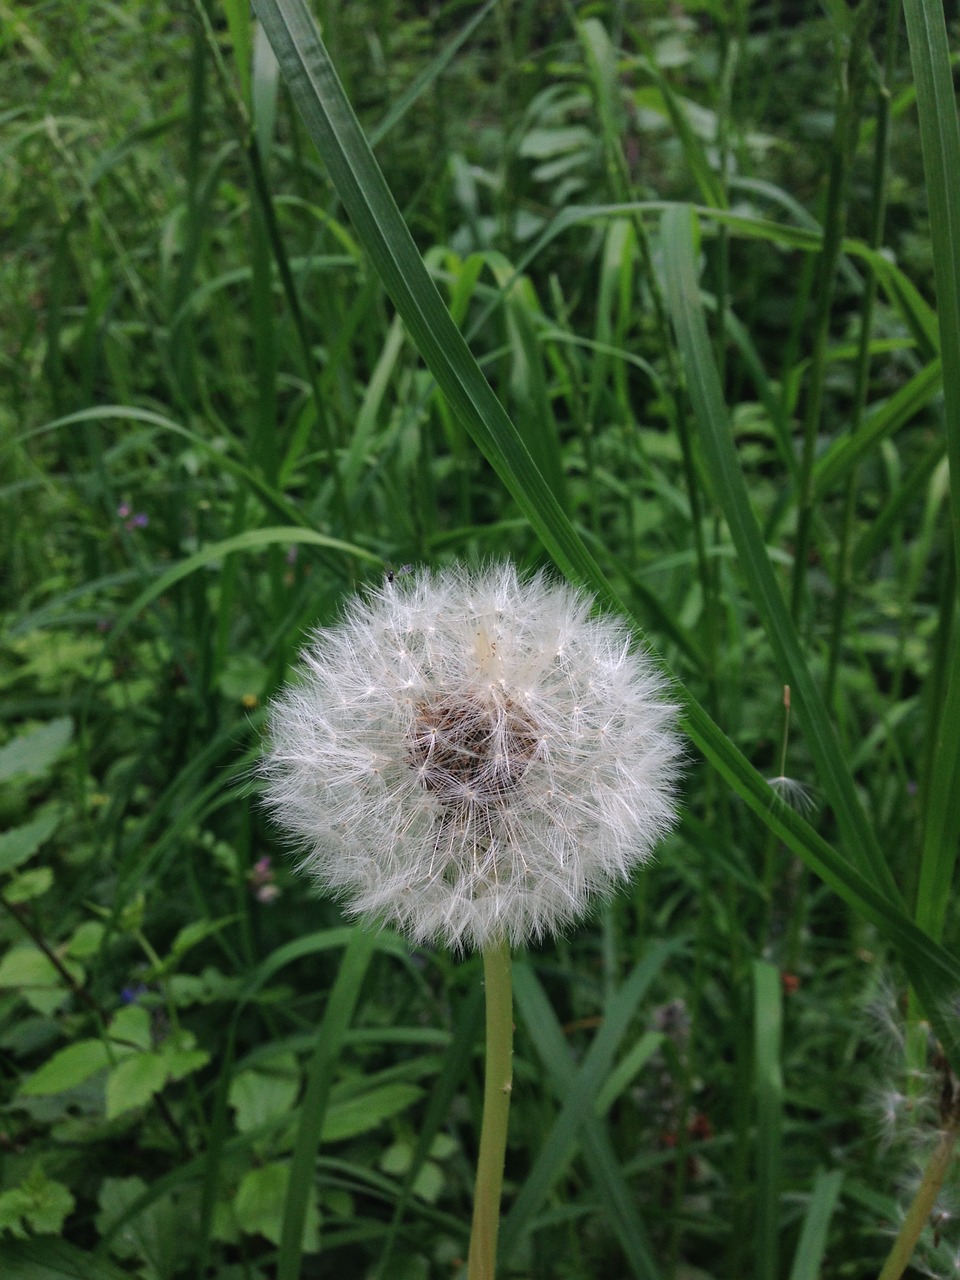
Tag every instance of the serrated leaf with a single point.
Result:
(32, 754)
(48, 1202)
(67, 1068)
(134, 1082)
(13, 1209)
(21, 843)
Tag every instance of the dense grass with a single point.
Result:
(656, 297)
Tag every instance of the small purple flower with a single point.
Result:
(132, 993)
(260, 879)
(123, 510)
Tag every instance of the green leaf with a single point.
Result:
(365, 1111)
(21, 843)
(196, 931)
(35, 978)
(32, 754)
(39, 1205)
(270, 1090)
(49, 1259)
(183, 1062)
(14, 1205)
(259, 1205)
(130, 1027)
(86, 940)
(28, 885)
(26, 966)
(67, 1068)
(134, 1081)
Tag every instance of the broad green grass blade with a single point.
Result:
(44, 1258)
(683, 299)
(941, 833)
(940, 142)
(428, 75)
(580, 1097)
(330, 1034)
(768, 1083)
(808, 1259)
(334, 128)
(598, 1153)
(839, 460)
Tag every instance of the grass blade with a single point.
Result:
(704, 386)
(767, 1039)
(940, 142)
(808, 1259)
(330, 1034)
(330, 119)
(598, 1153)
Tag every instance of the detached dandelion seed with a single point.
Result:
(471, 757)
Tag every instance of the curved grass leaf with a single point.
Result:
(940, 140)
(683, 300)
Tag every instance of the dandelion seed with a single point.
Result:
(797, 795)
(471, 757)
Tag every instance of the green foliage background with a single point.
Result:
(666, 296)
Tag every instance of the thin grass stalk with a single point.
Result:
(940, 141)
(497, 1087)
(768, 1083)
(881, 164)
(850, 82)
(592, 37)
(264, 198)
(337, 1017)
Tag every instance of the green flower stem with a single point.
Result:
(918, 1215)
(498, 1083)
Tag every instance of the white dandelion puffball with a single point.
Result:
(469, 756)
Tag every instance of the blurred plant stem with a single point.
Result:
(918, 1215)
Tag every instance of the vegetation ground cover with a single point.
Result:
(703, 262)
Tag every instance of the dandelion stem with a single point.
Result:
(498, 1082)
(919, 1212)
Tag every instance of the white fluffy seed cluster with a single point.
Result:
(470, 756)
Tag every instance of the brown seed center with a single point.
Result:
(468, 752)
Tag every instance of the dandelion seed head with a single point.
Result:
(471, 756)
